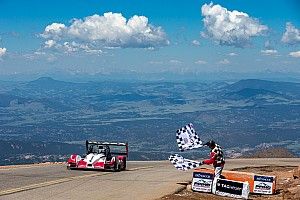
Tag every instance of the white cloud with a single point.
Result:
(54, 30)
(224, 62)
(291, 34)
(232, 28)
(200, 62)
(232, 54)
(49, 43)
(295, 54)
(111, 30)
(177, 62)
(2, 52)
(71, 46)
(196, 42)
(269, 49)
(74, 47)
(39, 53)
(269, 52)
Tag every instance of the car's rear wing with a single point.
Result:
(125, 144)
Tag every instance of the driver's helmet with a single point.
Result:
(101, 149)
(90, 149)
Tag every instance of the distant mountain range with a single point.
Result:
(262, 85)
(134, 76)
(240, 116)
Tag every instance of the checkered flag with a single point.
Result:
(183, 164)
(187, 138)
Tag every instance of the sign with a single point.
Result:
(202, 182)
(234, 189)
(263, 184)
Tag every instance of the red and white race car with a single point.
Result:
(101, 155)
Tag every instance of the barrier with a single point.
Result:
(260, 184)
(202, 182)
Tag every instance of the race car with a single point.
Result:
(101, 155)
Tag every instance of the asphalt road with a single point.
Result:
(142, 180)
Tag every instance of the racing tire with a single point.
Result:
(124, 165)
(117, 165)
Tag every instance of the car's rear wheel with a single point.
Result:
(117, 167)
(124, 164)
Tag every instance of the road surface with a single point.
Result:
(142, 180)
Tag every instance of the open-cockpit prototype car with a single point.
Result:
(101, 155)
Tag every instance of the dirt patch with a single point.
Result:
(287, 186)
(188, 195)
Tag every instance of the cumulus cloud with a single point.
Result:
(232, 28)
(295, 54)
(54, 30)
(224, 62)
(200, 62)
(291, 35)
(50, 43)
(2, 52)
(269, 52)
(110, 30)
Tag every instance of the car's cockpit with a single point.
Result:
(99, 149)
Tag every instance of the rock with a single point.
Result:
(296, 173)
(189, 187)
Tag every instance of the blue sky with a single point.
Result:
(134, 36)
